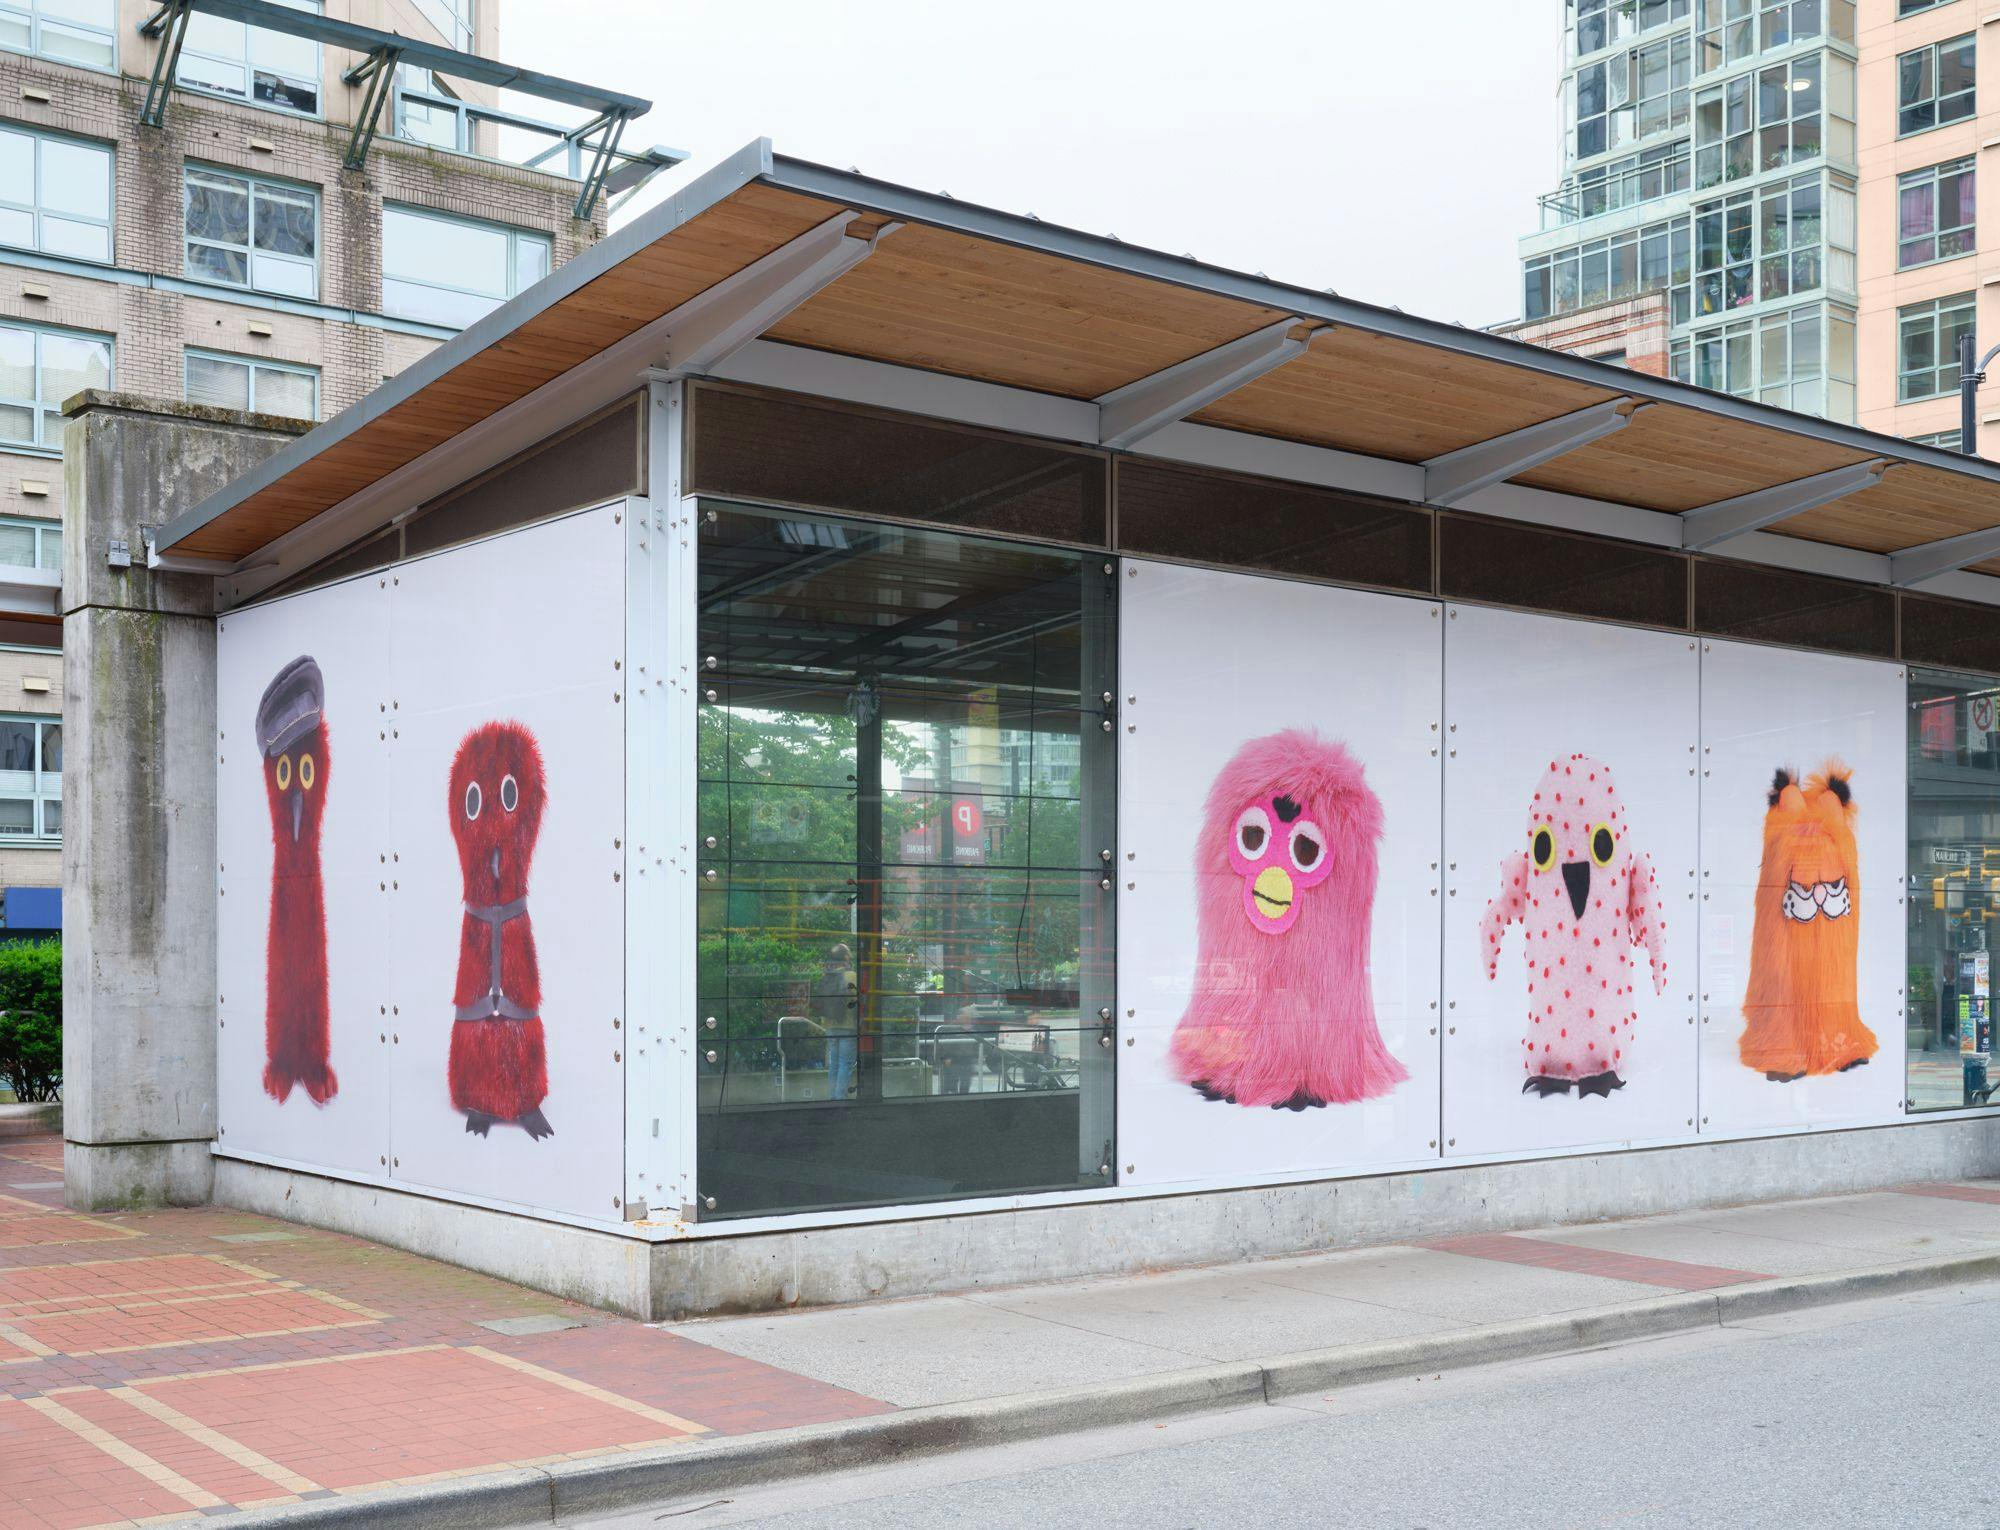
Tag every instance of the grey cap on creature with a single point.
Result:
(291, 706)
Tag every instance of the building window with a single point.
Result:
(1934, 85)
(1943, 440)
(30, 544)
(243, 231)
(1934, 213)
(39, 369)
(1725, 359)
(72, 31)
(1726, 32)
(444, 270)
(30, 778)
(1911, 7)
(903, 928)
(1724, 133)
(1788, 244)
(1954, 860)
(1789, 21)
(55, 195)
(243, 382)
(1656, 258)
(1725, 255)
(453, 19)
(1791, 360)
(246, 63)
(1788, 113)
(1927, 346)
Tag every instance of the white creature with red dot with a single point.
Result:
(1584, 898)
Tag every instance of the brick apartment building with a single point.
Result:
(273, 217)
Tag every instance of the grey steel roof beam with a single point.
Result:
(1706, 525)
(610, 129)
(1913, 565)
(714, 326)
(1128, 414)
(1457, 475)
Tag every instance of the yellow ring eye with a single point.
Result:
(1602, 843)
(306, 771)
(284, 772)
(1542, 847)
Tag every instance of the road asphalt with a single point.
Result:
(1869, 1413)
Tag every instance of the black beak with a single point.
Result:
(298, 812)
(1576, 877)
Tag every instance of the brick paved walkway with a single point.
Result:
(178, 1364)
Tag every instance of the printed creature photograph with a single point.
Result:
(1282, 1014)
(1584, 898)
(291, 735)
(499, 1063)
(1800, 1011)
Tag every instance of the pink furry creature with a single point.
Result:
(1584, 898)
(1281, 1013)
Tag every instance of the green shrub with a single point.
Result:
(31, 1018)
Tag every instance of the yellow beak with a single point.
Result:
(1272, 891)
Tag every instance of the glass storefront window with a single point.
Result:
(1954, 902)
(905, 917)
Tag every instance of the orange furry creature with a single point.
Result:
(1800, 1011)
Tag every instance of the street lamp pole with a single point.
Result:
(1969, 379)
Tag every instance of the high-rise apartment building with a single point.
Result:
(1706, 222)
(254, 205)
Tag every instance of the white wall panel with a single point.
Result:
(526, 630)
(1561, 726)
(1210, 663)
(345, 631)
(1766, 709)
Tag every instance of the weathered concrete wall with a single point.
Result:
(139, 800)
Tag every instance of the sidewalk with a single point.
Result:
(180, 1364)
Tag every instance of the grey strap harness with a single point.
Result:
(495, 1005)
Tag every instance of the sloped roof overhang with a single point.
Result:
(763, 245)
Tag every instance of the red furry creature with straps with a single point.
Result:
(499, 1062)
(291, 732)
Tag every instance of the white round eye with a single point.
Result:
(473, 801)
(510, 794)
(1308, 845)
(1253, 833)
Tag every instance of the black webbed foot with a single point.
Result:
(1540, 1084)
(478, 1122)
(1859, 1062)
(536, 1125)
(1300, 1101)
(1599, 1083)
(1784, 1078)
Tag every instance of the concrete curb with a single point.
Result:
(610, 1484)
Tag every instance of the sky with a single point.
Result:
(1391, 151)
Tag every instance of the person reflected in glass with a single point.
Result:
(833, 1009)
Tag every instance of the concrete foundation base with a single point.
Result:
(122, 1176)
(824, 1265)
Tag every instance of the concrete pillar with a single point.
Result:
(139, 799)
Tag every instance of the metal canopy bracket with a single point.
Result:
(711, 328)
(1913, 565)
(170, 24)
(1459, 474)
(1129, 414)
(378, 71)
(609, 128)
(1706, 525)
